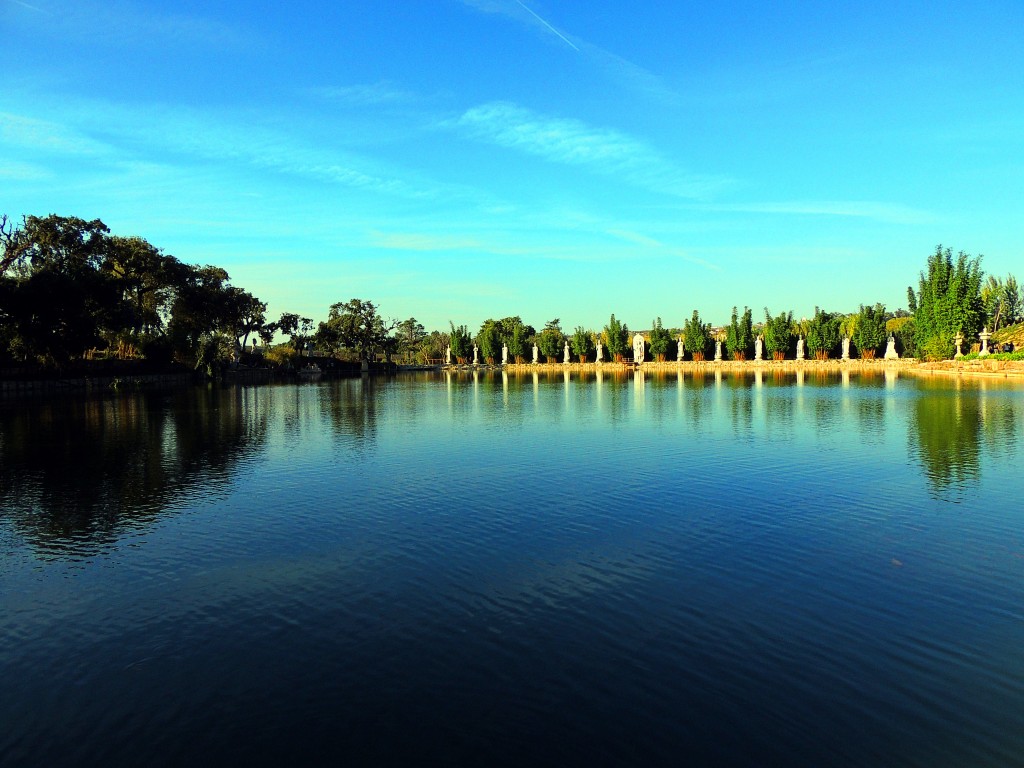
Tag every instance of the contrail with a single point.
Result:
(538, 18)
(37, 10)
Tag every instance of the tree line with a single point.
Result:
(70, 289)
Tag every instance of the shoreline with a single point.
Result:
(1001, 369)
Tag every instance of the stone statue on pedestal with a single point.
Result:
(638, 348)
(800, 348)
(890, 349)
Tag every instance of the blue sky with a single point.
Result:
(464, 159)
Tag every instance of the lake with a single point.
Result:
(489, 569)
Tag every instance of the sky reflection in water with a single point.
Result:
(516, 568)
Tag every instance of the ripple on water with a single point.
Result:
(496, 573)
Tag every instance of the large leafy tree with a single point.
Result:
(696, 336)
(244, 315)
(740, 335)
(146, 280)
(197, 315)
(298, 329)
(515, 334)
(551, 340)
(355, 325)
(67, 285)
(57, 302)
(410, 336)
(582, 343)
(461, 343)
(616, 338)
(869, 330)
(1001, 299)
(823, 333)
(778, 333)
(948, 301)
(660, 340)
(489, 340)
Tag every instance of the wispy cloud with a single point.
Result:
(152, 131)
(661, 248)
(127, 24)
(43, 135)
(23, 172)
(365, 94)
(632, 76)
(419, 241)
(893, 213)
(571, 142)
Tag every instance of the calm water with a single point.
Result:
(516, 570)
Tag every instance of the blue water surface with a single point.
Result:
(516, 569)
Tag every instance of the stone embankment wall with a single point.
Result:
(1000, 369)
(985, 368)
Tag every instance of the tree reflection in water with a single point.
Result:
(952, 427)
(76, 474)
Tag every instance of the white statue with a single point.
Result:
(447, 355)
(475, 359)
(535, 353)
(565, 356)
(718, 350)
(758, 347)
(600, 351)
(680, 350)
(638, 348)
(800, 348)
(504, 354)
(846, 347)
(890, 349)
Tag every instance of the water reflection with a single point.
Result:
(954, 428)
(75, 474)
(350, 407)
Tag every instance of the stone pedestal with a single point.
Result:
(984, 336)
